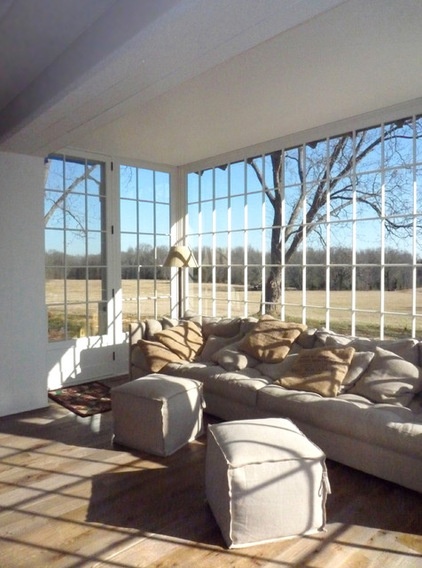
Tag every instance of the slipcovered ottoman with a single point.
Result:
(157, 413)
(264, 481)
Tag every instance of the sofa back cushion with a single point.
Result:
(224, 327)
(406, 348)
(389, 379)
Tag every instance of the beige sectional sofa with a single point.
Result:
(359, 399)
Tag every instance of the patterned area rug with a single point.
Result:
(84, 400)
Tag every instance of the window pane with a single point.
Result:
(237, 178)
(94, 208)
(146, 184)
(193, 187)
(128, 182)
(193, 217)
(254, 204)
(206, 185)
(94, 181)
(162, 212)
(398, 143)
(128, 217)
(315, 161)
(162, 187)
(368, 149)
(237, 208)
(207, 216)
(222, 182)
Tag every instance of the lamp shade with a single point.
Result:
(181, 256)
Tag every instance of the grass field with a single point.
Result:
(397, 306)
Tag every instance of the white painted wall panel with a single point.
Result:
(23, 338)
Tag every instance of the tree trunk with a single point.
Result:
(273, 292)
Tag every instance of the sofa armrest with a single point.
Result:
(136, 331)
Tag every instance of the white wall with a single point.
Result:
(23, 336)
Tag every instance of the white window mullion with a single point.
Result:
(328, 260)
(414, 234)
(263, 240)
(304, 243)
(382, 259)
(245, 242)
(283, 242)
(354, 243)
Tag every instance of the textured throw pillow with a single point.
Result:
(156, 355)
(270, 340)
(320, 370)
(389, 379)
(185, 340)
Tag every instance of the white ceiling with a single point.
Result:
(175, 81)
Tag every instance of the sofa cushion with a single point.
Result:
(389, 379)
(225, 327)
(156, 354)
(238, 387)
(195, 370)
(270, 340)
(185, 340)
(319, 370)
(406, 348)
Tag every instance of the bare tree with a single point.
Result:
(60, 201)
(327, 174)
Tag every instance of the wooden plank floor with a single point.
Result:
(69, 498)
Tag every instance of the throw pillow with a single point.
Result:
(231, 359)
(319, 370)
(214, 343)
(389, 379)
(358, 366)
(156, 355)
(270, 340)
(185, 340)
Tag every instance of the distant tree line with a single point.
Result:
(142, 263)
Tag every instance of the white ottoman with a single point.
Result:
(157, 413)
(264, 481)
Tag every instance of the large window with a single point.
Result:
(83, 285)
(327, 232)
(145, 242)
(75, 234)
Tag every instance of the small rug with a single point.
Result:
(84, 400)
